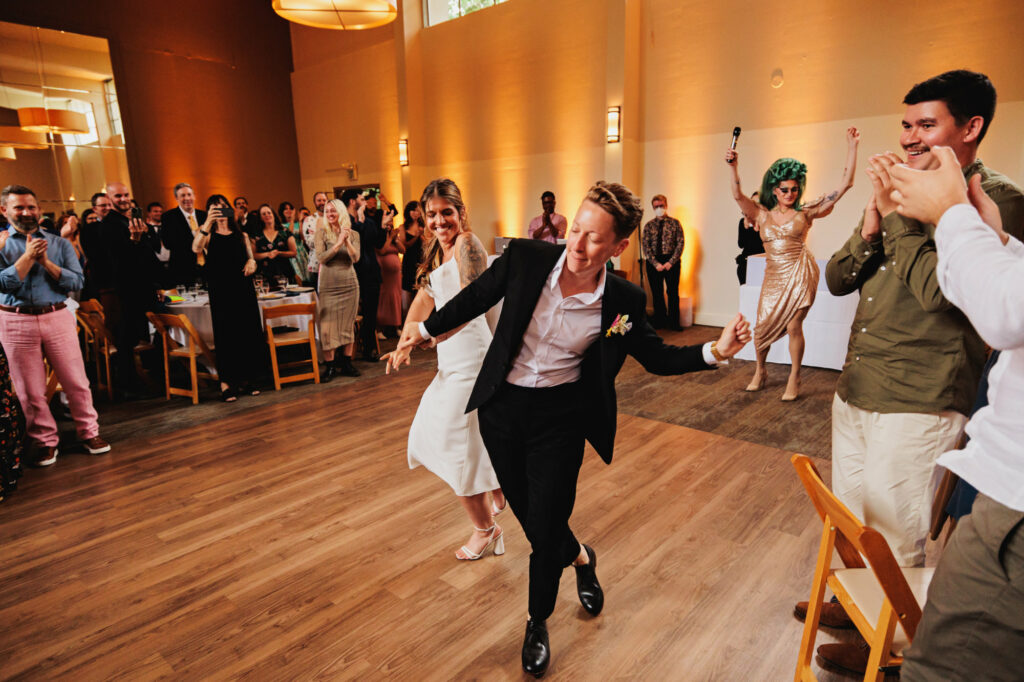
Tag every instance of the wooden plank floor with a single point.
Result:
(291, 541)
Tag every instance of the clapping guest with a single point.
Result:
(309, 227)
(274, 247)
(292, 226)
(248, 222)
(304, 213)
(389, 308)
(412, 239)
(237, 329)
(179, 227)
(337, 250)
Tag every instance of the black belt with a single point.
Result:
(34, 309)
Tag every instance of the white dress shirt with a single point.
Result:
(559, 333)
(982, 277)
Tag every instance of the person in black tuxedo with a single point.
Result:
(179, 227)
(548, 381)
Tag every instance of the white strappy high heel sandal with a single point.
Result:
(495, 509)
(498, 542)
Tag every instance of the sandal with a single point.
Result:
(497, 540)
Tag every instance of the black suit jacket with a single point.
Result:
(518, 276)
(177, 237)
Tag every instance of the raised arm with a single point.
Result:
(824, 206)
(750, 209)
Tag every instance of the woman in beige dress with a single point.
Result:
(337, 250)
(791, 274)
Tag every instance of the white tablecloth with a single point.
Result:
(198, 313)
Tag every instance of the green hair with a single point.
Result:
(782, 169)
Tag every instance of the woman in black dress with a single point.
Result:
(237, 329)
(412, 237)
(275, 248)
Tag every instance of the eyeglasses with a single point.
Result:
(788, 190)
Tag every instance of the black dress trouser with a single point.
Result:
(661, 282)
(369, 298)
(535, 439)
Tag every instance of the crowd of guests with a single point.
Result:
(132, 262)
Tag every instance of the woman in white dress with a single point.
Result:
(443, 438)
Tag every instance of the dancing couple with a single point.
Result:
(546, 383)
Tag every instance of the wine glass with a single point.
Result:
(282, 282)
(257, 280)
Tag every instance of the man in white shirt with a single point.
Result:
(547, 383)
(309, 231)
(972, 627)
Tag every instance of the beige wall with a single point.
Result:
(510, 101)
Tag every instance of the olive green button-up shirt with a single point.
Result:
(910, 349)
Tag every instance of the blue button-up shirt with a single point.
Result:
(38, 287)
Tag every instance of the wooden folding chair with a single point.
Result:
(195, 350)
(275, 339)
(882, 599)
(359, 337)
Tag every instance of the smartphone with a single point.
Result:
(136, 213)
(224, 212)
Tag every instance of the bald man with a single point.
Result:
(131, 271)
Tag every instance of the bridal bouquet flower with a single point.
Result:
(621, 325)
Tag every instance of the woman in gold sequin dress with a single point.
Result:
(791, 274)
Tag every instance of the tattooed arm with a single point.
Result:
(471, 258)
(823, 206)
(751, 209)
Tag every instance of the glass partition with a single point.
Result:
(60, 125)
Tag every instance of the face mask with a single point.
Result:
(659, 211)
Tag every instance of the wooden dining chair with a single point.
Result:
(275, 339)
(882, 599)
(359, 337)
(100, 342)
(192, 353)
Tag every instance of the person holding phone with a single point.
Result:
(237, 328)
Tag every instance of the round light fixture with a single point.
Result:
(340, 15)
(13, 136)
(7, 154)
(57, 121)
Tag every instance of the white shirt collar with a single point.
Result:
(585, 298)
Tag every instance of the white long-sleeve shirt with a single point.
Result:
(985, 279)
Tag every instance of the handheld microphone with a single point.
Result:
(735, 136)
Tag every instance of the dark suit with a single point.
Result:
(535, 436)
(177, 236)
(371, 238)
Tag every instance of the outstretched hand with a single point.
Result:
(735, 335)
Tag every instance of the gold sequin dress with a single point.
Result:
(790, 276)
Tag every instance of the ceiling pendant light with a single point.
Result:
(56, 121)
(13, 136)
(341, 15)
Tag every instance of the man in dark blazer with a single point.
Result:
(547, 383)
(179, 227)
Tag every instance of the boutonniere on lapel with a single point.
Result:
(620, 325)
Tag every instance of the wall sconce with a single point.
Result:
(614, 124)
(403, 152)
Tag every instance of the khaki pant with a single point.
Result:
(973, 624)
(883, 469)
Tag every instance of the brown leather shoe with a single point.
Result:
(850, 657)
(833, 615)
(43, 455)
(96, 446)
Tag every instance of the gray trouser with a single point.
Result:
(973, 624)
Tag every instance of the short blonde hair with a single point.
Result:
(618, 201)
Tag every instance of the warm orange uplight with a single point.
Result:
(403, 152)
(614, 124)
(57, 121)
(340, 15)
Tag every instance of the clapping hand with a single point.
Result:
(36, 249)
(735, 335)
(882, 182)
(4, 234)
(70, 228)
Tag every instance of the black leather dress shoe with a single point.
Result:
(587, 587)
(329, 373)
(536, 651)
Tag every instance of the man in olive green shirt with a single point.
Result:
(914, 360)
